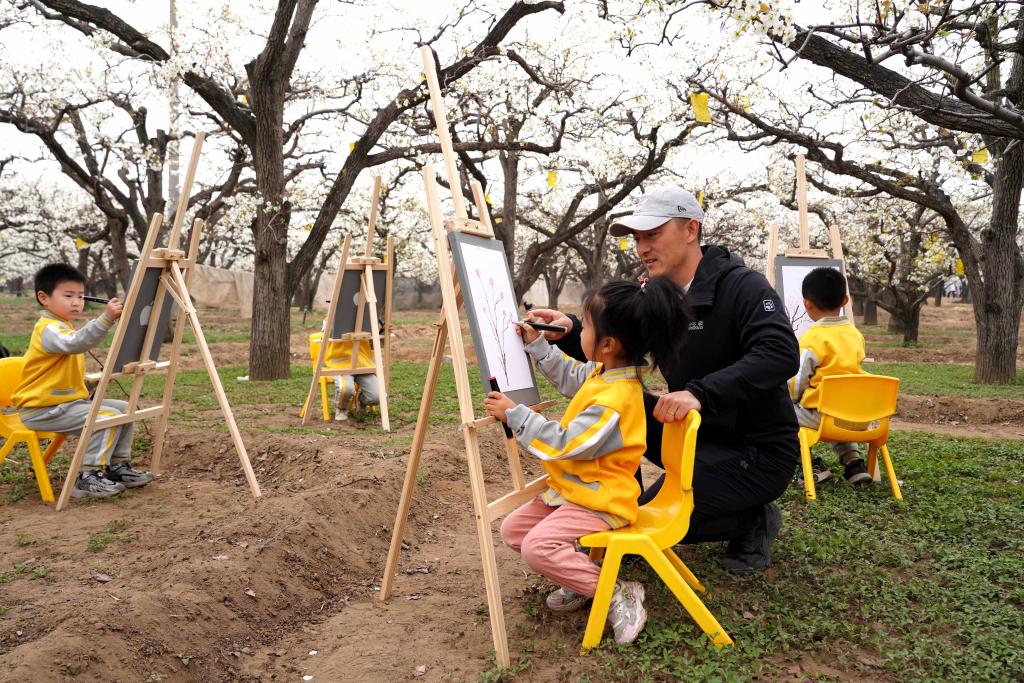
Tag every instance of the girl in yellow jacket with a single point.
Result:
(591, 455)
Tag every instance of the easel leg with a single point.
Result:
(413, 466)
(218, 388)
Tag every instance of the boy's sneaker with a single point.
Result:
(341, 416)
(752, 552)
(855, 472)
(131, 478)
(95, 484)
(627, 613)
(819, 470)
(565, 600)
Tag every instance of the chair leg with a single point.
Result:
(6, 448)
(323, 399)
(688, 599)
(872, 461)
(684, 571)
(894, 485)
(596, 555)
(602, 600)
(52, 449)
(805, 461)
(39, 467)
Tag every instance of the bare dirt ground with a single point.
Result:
(191, 579)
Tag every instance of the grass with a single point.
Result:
(862, 586)
(945, 380)
(102, 539)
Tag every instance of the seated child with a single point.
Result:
(831, 346)
(52, 396)
(592, 454)
(339, 354)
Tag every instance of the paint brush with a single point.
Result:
(96, 299)
(494, 387)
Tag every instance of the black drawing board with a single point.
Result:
(490, 305)
(141, 317)
(789, 275)
(348, 302)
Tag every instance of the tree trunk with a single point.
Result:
(870, 312)
(269, 346)
(858, 305)
(938, 293)
(554, 289)
(911, 324)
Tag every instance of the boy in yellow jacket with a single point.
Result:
(339, 355)
(831, 346)
(52, 396)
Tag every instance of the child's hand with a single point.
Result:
(497, 403)
(552, 317)
(528, 333)
(114, 308)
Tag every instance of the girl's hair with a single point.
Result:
(647, 318)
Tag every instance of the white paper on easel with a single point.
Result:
(495, 311)
(792, 295)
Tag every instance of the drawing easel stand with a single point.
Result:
(365, 265)
(176, 270)
(449, 326)
(804, 250)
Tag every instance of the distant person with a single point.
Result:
(830, 346)
(737, 354)
(593, 452)
(52, 396)
(339, 355)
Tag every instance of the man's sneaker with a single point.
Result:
(95, 484)
(627, 613)
(341, 416)
(855, 472)
(565, 600)
(131, 478)
(819, 470)
(752, 552)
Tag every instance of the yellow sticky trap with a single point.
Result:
(744, 102)
(552, 178)
(959, 267)
(980, 156)
(487, 198)
(624, 244)
(699, 102)
(700, 198)
(80, 243)
(497, 219)
(351, 146)
(307, 227)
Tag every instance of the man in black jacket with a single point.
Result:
(733, 365)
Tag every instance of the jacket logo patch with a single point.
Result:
(696, 325)
(769, 305)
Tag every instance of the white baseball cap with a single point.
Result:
(656, 207)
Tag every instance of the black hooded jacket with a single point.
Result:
(736, 357)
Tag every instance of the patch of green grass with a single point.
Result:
(102, 539)
(24, 538)
(928, 589)
(422, 476)
(28, 566)
(945, 380)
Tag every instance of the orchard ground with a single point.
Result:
(191, 579)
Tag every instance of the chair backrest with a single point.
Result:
(672, 506)
(867, 401)
(10, 377)
(315, 340)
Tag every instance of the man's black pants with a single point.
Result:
(731, 483)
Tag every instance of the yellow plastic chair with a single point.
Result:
(661, 524)
(845, 399)
(315, 340)
(14, 432)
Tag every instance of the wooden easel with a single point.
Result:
(177, 267)
(449, 325)
(804, 250)
(366, 264)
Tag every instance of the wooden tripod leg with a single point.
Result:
(413, 466)
(218, 388)
(483, 530)
(83, 439)
(378, 358)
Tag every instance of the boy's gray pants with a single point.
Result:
(345, 386)
(106, 446)
(809, 417)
